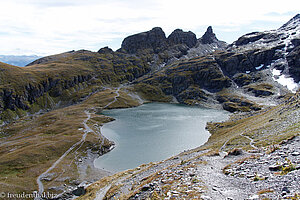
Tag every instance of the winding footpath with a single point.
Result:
(115, 98)
(245, 136)
(251, 141)
(43, 175)
(86, 130)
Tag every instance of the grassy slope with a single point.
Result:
(30, 145)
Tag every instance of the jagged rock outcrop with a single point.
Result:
(209, 36)
(180, 37)
(154, 39)
(249, 38)
(207, 44)
(160, 51)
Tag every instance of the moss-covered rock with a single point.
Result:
(151, 93)
(261, 89)
(233, 103)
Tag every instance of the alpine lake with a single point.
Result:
(153, 132)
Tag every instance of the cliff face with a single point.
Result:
(156, 40)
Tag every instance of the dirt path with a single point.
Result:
(251, 141)
(115, 98)
(87, 129)
(101, 194)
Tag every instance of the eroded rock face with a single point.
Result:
(180, 37)
(154, 39)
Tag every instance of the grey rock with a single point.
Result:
(79, 191)
(180, 37)
(145, 187)
(275, 167)
(286, 189)
(295, 153)
(154, 39)
(209, 36)
(204, 197)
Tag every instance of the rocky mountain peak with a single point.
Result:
(153, 39)
(292, 23)
(209, 36)
(178, 36)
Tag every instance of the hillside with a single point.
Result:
(63, 79)
(51, 126)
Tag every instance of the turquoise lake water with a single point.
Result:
(154, 132)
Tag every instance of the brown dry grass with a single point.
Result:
(35, 142)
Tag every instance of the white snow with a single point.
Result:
(276, 72)
(285, 81)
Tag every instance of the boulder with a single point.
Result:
(79, 191)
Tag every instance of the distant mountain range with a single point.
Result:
(20, 61)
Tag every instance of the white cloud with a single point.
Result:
(53, 26)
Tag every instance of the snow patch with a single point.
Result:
(259, 67)
(276, 72)
(285, 81)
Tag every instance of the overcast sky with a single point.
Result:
(45, 27)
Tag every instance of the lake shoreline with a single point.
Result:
(171, 128)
